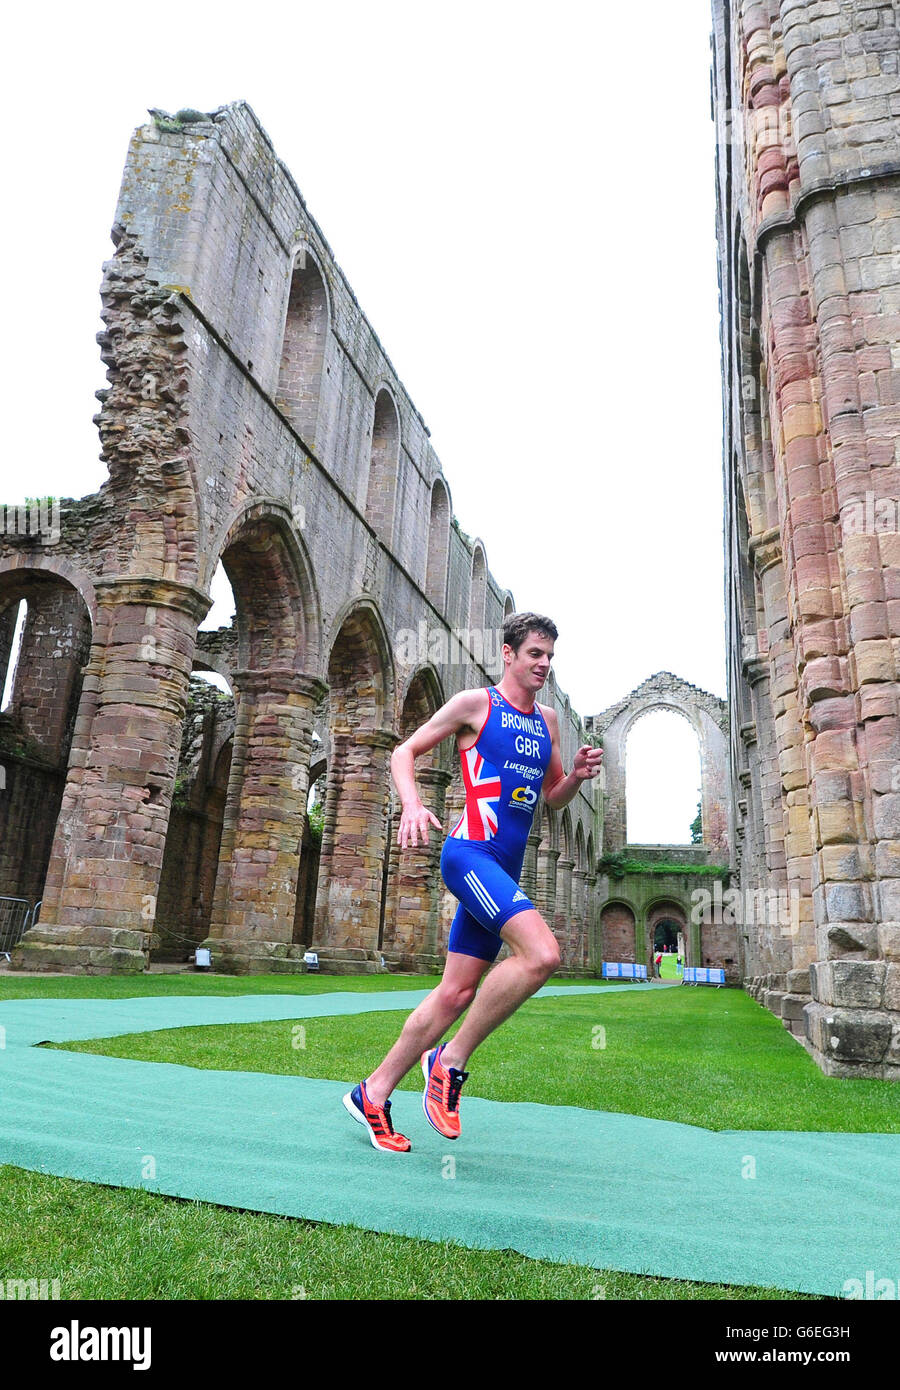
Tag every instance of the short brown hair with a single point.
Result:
(518, 625)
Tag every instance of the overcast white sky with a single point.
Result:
(522, 198)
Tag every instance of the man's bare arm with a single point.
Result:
(462, 711)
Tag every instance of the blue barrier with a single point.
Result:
(623, 970)
(703, 975)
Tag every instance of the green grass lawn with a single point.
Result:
(705, 1057)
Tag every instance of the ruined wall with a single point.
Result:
(806, 98)
(630, 900)
(252, 418)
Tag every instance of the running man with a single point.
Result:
(509, 749)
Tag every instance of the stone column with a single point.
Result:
(528, 879)
(590, 954)
(546, 883)
(412, 913)
(579, 887)
(562, 914)
(348, 904)
(100, 895)
(255, 900)
(851, 688)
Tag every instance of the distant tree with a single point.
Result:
(697, 827)
(316, 821)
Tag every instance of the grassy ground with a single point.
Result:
(709, 1057)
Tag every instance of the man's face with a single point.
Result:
(531, 663)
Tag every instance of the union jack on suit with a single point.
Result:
(482, 781)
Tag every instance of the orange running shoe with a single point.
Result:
(377, 1120)
(440, 1100)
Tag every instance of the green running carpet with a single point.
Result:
(553, 1182)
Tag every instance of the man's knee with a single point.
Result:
(535, 945)
(456, 997)
(549, 958)
(543, 957)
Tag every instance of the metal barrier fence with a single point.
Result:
(623, 970)
(703, 975)
(16, 916)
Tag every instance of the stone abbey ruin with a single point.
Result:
(806, 98)
(253, 421)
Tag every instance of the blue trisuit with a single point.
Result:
(482, 857)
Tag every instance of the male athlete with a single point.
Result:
(509, 747)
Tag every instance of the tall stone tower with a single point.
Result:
(806, 100)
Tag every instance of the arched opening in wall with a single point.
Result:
(300, 380)
(589, 945)
(746, 580)
(311, 848)
(193, 841)
(221, 614)
(438, 545)
(749, 622)
(385, 456)
(668, 937)
(411, 888)
(45, 641)
(565, 864)
(351, 869)
(477, 597)
(232, 848)
(578, 914)
(663, 779)
(617, 933)
(665, 935)
(12, 629)
(509, 606)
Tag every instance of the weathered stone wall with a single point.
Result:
(252, 417)
(708, 718)
(630, 902)
(618, 928)
(806, 102)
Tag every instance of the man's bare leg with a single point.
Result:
(535, 957)
(428, 1022)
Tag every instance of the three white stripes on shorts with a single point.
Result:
(482, 894)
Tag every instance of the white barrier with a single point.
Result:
(623, 970)
(703, 975)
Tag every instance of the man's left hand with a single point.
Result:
(587, 762)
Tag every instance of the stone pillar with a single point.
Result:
(412, 911)
(100, 895)
(589, 957)
(348, 903)
(528, 879)
(546, 883)
(783, 772)
(842, 641)
(561, 922)
(579, 892)
(255, 901)
(851, 688)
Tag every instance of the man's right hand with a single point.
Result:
(413, 823)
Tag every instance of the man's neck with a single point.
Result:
(511, 691)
